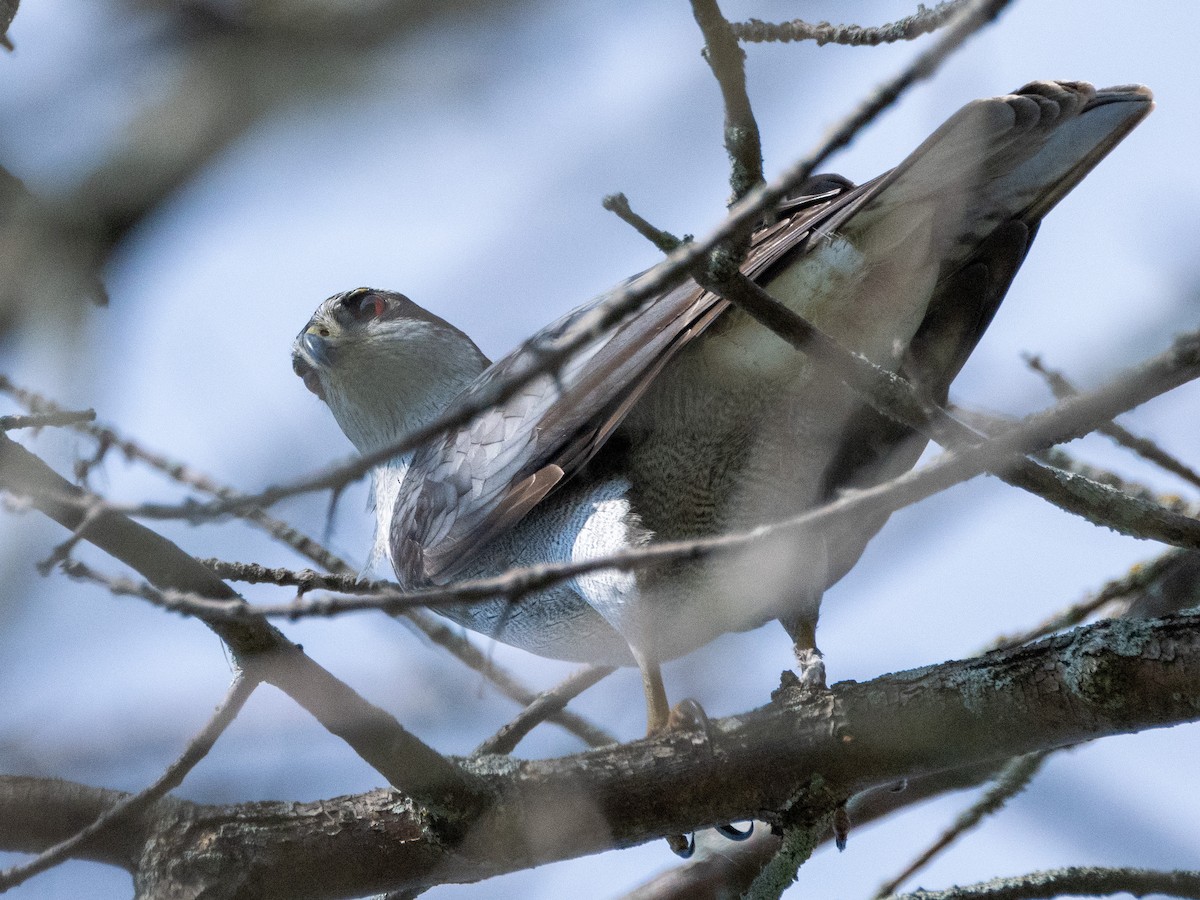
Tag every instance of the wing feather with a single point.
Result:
(1003, 159)
(464, 489)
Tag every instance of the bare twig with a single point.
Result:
(1014, 779)
(622, 301)
(1139, 579)
(728, 63)
(920, 23)
(376, 736)
(1075, 881)
(663, 240)
(199, 746)
(1065, 421)
(541, 707)
(1143, 447)
(44, 420)
(588, 732)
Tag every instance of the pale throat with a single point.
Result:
(388, 396)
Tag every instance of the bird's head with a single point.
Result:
(382, 364)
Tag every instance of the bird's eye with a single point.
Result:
(365, 306)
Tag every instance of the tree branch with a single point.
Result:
(343, 578)
(793, 759)
(728, 63)
(920, 23)
(1075, 881)
(260, 649)
(622, 301)
(134, 804)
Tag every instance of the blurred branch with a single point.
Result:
(8, 11)
(625, 299)
(108, 437)
(1143, 447)
(134, 804)
(922, 22)
(542, 707)
(1109, 678)
(1014, 779)
(1076, 881)
(223, 68)
(261, 650)
(45, 420)
(728, 63)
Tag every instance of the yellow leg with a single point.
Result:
(658, 710)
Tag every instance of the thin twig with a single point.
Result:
(663, 240)
(1014, 779)
(1075, 881)
(199, 746)
(541, 707)
(728, 63)
(1139, 578)
(550, 356)
(1143, 447)
(920, 23)
(424, 623)
(1065, 421)
(47, 420)
(587, 731)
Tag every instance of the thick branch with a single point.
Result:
(1110, 678)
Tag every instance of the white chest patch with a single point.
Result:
(386, 483)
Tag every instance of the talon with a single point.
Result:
(841, 827)
(731, 833)
(690, 715)
(812, 670)
(682, 845)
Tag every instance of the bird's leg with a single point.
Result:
(687, 715)
(658, 710)
(803, 632)
(658, 719)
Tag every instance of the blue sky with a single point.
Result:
(466, 169)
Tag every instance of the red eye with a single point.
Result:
(365, 306)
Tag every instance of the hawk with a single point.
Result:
(690, 419)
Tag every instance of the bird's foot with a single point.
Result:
(689, 715)
(841, 827)
(811, 666)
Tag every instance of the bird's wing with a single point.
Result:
(995, 160)
(481, 479)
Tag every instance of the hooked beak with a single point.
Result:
(310, 353)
